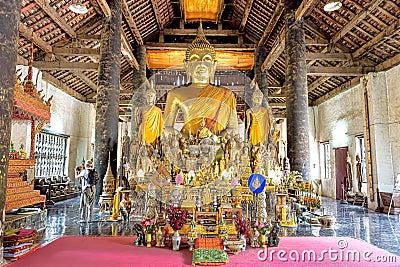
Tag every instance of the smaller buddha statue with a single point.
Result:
(258, 117)
(126, 206)
(203, 131)
(22, 152)
(149, 119)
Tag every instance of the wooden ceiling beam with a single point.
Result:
(131, 23)
(272, 23)
(58, 65)
(157, 14)
(28, 34)
(247, 9)
(328, 56)
(126, 50)
(356, 19)
(54, 81)
(183, 46)
(277, 49)
(75, 51)
(104, 7)
(317, 42)
(305, 8)
(338, 71)
(53, 14)
(88, 37)
(279, 44)
(388, 31)
(391, 62)
(345, 86)
(207, 32)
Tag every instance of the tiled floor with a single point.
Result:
(352, 221)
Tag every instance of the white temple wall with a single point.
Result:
(338, 121)
(341, 118)
(69, 116)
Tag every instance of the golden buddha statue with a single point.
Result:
(258, 118)
(203, 131)
(199, 99)
(149, 119)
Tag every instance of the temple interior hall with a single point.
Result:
(199, 132)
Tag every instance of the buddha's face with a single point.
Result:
(201, 66)
(151, 98)
(257, 99)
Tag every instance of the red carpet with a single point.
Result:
(89, 251)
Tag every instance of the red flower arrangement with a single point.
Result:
(148, 224)
(242, 226)
(177, 217)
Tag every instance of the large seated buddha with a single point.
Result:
(200, 100)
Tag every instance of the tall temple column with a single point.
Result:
(9, 17)
(261, 76)
(139, 81)
(298, 148)
(107, 102)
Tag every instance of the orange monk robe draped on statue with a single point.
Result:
(152, 125)
(217, 105)
(259, 127)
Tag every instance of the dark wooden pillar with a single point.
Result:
(107, 102)
(139, 82)
(296, 92)
(9, 17)
(261, 76)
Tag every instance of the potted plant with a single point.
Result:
(148, 225)
(177, 218)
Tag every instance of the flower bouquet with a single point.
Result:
(148, 225)
(264, 227)
(242, 226)
(177, 217)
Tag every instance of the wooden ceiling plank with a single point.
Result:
(246, 13)
(183, 46)
(329, 56)
(75, 51)
(356, 19)
(272, 23)
(377, 20)
(88, 37)
(386, 13)
(344, 87)
(388, 31)
(54, 81)
(305, 8)
(277, 49)
(57, 65)
(28, 34)
(390, 63)
(126, 50)
(53, 14)
(207, 32)
(104, 7)
(157, 14)
(337, 71)
(131, 23)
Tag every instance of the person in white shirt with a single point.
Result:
(88, 193)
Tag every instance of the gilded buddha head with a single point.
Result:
(200, 63)
(151, 96)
